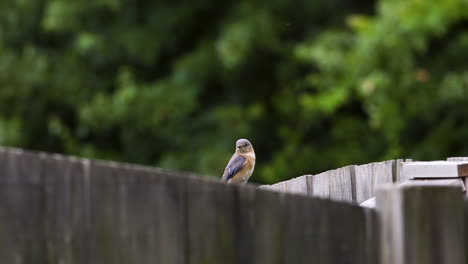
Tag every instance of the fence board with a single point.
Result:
(65, 227)
(334, 184)
(370, 176)
(21, 208)
(211, 222)
(173, 217)
(341, 184)
(245, 234)
(422, 225)
(301, 232)
(124, 212)
(269, 240)
(320, 185)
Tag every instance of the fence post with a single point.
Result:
(421, 224)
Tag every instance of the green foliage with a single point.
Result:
(313, 84)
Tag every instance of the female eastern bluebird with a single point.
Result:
(242, 163)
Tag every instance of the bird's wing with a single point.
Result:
(236, 164)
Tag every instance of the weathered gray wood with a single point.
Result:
(269, 240)
(422, 224)
(295, 185)
(20, 166)
(372, 236)
(435, 169)
(173, 219)
(304, 229)
(364, 182)
(334, 184)
(246, 229)
(66, 227)
(349, 240)
(21, 208)
(388, 199)
(320, 185)
(370, 176)
(341, 184)
(125, 214)
(211, 222)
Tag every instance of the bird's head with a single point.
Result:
(243, 146)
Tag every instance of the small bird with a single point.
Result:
(241, 164)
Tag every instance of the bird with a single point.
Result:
(242, 163)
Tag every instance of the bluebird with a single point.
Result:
(241, 164)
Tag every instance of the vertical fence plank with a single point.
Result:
(370, 176)
(342, 184)
(269, 242)
(422, 224)
(334, 184)
(173, 220)
(364, 182)
(347, 238)
(372, 236)
(320, 185)
(65, 225)
(21, 208)
(211, 222)
(245, 234)
(300, 246)
(125, 214)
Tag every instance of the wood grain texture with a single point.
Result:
(66, 227)
(21, 208)
(269, 240)
(369, 176)
(245, 227)
(342, 184)
(334, 184)
(296, 185)
(211, 222)
(321, 185)
(422, 224)
(125, 214)
(305, 229)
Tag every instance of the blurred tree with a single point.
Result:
(313, 84)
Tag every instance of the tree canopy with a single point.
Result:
(312, 84)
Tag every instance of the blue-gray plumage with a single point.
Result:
(241, 164)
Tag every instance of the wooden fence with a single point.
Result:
(57, 209)
(354, 183)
